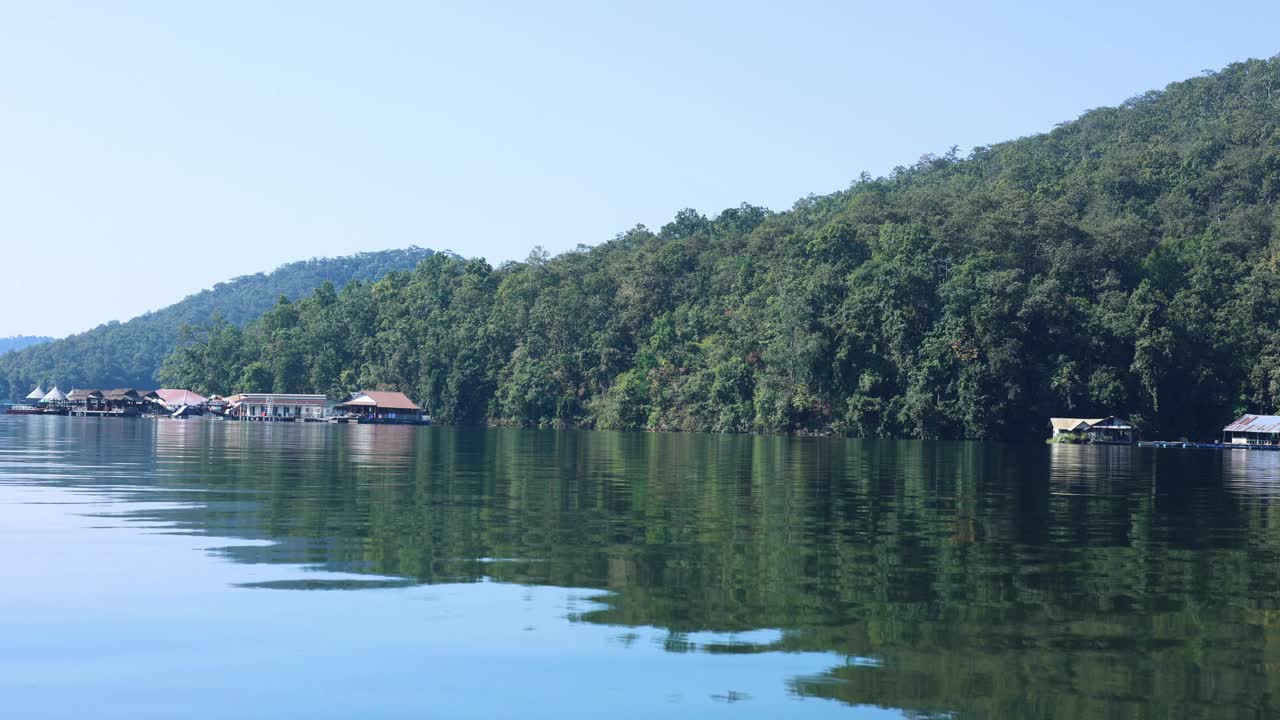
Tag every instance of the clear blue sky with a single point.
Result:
(158, 148)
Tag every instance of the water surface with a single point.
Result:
(159, 569)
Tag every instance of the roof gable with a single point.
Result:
(1255, 423)
(1074, 424)
(179, 397)
(384, 399)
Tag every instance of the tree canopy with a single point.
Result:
(129, 354)
(1124, 263)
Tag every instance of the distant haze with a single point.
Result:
(150, 150)
(17, 342)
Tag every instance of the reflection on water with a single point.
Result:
(770, 576)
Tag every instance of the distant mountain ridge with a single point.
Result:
(18, 342)
(128, 354)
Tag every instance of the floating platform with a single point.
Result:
(356, 420)
(1205, 446)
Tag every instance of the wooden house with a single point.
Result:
(82, 397)
(1253, 430)
(277, 407)
(1108, 430)
(382, 407)
(120, 402)
(1112, 430)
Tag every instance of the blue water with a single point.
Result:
(161, 569)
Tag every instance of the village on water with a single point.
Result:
(387, 407)
(366, 407)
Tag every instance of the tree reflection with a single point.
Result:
(963, 579)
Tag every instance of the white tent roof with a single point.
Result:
(55, 395)
(36, 394)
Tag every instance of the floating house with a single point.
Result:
(36, 395)
(1253, 430)
(174, 400)
(120, 402)
(382, 407)
(1068, 426)
(277, 407)
(81, 396)
(1107, 430)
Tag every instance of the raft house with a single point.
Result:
(119, 402)
(1110, 430)
(373, 407)
(380, 407)
(277, 407)
(1247, 432)
(1253, 430)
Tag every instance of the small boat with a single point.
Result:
(25, 410)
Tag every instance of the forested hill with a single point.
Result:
(1124, 263)
(18, 342)
(128, 354)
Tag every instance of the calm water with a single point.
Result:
(160, 569)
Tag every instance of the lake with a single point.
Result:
(208, 569)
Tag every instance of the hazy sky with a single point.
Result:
(148, 150)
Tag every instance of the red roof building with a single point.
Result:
(174, 399)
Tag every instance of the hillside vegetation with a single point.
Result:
(1124, 263)
(128, 354)
(18, 342)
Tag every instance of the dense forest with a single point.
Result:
(18, 342)
(1123, 263)
(129, 354)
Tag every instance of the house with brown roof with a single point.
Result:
(1110, 430)
(81, 397)
(120, 402)
(382, 407)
